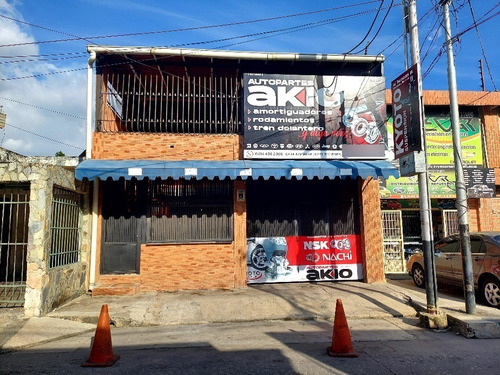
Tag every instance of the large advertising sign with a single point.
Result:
(440, 158)
(407, 114)
(304, 258)
(314, 117)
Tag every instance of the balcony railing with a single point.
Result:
(166, 103)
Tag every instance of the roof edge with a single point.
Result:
(248, 55)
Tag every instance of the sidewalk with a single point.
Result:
(296, 301)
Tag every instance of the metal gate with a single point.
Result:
(392, 232)
(450, 222)
(14, 213)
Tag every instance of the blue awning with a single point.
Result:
(233, 169)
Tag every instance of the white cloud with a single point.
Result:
(31, 103)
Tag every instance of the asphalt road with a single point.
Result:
(386, 346)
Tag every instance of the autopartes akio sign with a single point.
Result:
(313, 117)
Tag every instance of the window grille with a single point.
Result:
(302, 208)
(65, 230)
(170, 210)
(168, 103)
(185, 211)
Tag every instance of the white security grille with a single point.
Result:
(392, 230)
(450, 222)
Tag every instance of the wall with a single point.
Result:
(169, 267)
(159, 146)
(46, 288)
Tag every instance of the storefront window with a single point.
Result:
(302, 208)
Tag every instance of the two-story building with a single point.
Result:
(214, 169)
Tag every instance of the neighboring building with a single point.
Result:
(44, 227)
(214, 169)
(479, 116)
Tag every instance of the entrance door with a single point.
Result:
(14, 214)
(123, 226)
(392, 229)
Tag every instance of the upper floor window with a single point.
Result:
(168, 103)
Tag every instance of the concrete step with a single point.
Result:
(116, 289)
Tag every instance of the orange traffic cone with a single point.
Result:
(101, 354)
(341, 340)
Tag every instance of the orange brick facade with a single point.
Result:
(223, 266)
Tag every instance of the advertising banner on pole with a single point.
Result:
(304, 258)
(407, 113)
(314, 117)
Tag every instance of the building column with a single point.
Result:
(38, 245)
(371, 231)
(240, 235)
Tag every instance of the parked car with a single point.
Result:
(485, 250)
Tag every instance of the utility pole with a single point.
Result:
(423, 181)
(463, 223)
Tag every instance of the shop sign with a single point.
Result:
(407, 113)
(440, 159)
(480, 182)
(314, 117)
(441, 185)
(304, 258)
(439, 141)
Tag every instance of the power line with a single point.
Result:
(43, 108)
(286, 30)
(83, 54)
(43, 136)
(46, 28)
(369, 30)
(482, 47)
(282, 31)
(379, 28)
(74, 38)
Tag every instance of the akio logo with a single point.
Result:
(329, 274)
(301, 94)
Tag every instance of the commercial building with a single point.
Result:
(479, 116)
(215, 169)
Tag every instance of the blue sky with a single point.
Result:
(46, 113)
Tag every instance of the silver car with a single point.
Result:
(485, 249)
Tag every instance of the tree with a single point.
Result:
(60, 153)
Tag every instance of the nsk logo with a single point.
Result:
(327, 245)
(280, 96)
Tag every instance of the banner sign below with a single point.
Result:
(304, 258)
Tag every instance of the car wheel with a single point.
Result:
(258, 258)
(491, 292)
(418, 275)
